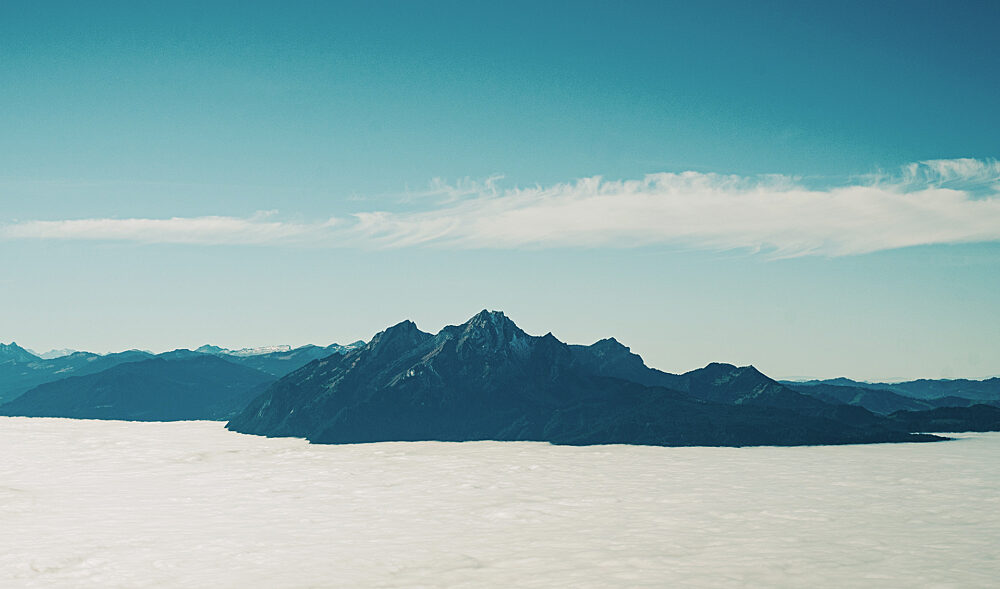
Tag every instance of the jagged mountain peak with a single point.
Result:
(210, 349)
(15, 353)
(491, 330)
(718, 366)
(400, 336)
(721, 372)
(404, 326)
(610, 345)
(491, 320)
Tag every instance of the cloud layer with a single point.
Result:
(931, 202)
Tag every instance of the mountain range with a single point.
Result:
(51, 354)
(156, 389)
(488, 379)
(483, 379)
(916, 395)
(22, 370)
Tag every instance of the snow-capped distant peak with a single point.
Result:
(260, 350)
(53, 354)
(243, 352)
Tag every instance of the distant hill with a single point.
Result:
(925, 389)
(488, 379)
(977, 418)
(198, 386)
(916, 395)
(20, 370)
(880, 400)
(983, 390)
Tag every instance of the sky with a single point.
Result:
(809, 188)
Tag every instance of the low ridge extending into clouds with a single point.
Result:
(930, 202)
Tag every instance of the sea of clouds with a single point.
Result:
(118, 504)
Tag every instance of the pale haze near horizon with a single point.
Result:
(811, 190)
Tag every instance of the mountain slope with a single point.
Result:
(158, 389)
(487, 379)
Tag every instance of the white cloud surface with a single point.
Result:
(926, 203)
(90, 503)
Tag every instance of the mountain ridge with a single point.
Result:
(21, 370)
(156, 389)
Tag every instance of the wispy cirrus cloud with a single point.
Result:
(930, 202)
(977, 177)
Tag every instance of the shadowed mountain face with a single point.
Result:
(21, 370)
(159, 389)
(487, 379)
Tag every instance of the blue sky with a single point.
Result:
(808, 188)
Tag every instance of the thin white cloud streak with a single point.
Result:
(209, 230)
(931, 202)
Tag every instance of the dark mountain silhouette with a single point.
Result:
(197, 386)
(488, 379)
(21, 371)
